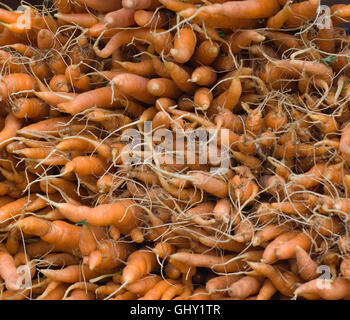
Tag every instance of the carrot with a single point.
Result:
(70, 274)
(287, 249)
(175, 290)
(163, 87)
(54, 98)
(143, 68)
(10, 62)
(205, 53)
(242, 190)
(345, 268)
(139, 263)
(184, 45)
(108, 255)
(310, 178)
(106, 6)
(107, 289)
(270, 251)
(59, 259)
(306, 266)
(76, 79)
(140, 4)
(52, 125)
(249, 9)
(11, 126)
(8, 270)
(180, 77)
(203, 98)
(279, 282)
(269, 232)
(172, 272)
(209, 184)
(201, 214)
(216, 263)
(85, 20)
(62, 235)
(9, 16)
(143, 285)
(327, 226)
(12, 209)
(244, 287)
(46, 40)
(203, 76)
(60, 185)
(221, 283)
(134, 86)
(105, 97)
(160, 39)
(121, 213)
(120, 18)
(54, 291)
(80, 294)
(266, 291)
(240, 40)
(29, 108)
(335, 290)
(151, 19)
(200, 294)
(16, 83)
(175, 5)
(158, 290)
(301, 12)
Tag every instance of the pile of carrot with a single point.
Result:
(90, 211)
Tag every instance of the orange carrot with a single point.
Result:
(16, 83)
(121, 18)
(249, 9)
(70, 274)
(266, 291)
(134, 86)
(180, 77)
(8, 270)
(122, 213)
(163, 87)
(12, 124)
(206, 53)
(151, 19)
(29, 108)
(184, 45)
(140, 263)
(64, 236)
(335, 290)
(160, 39)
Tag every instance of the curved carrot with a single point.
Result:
(122, 213)
(248, 9)
(163, 87)
(105, 6)
(184, 45)
(335, 290)
(139, 263)
(151, 19)
(205, 53)
(105, 97)
(140, 4)
(160, 38)
(121, 18)
(85, 20)
(70, 274)
(134, 86)
(244, 287)
(8, 270)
